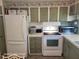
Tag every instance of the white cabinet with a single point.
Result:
(48, 14)
(16, 34)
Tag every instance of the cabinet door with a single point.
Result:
(66, 52)
(66, 49)
(73, 54)
(43, 14)
(38, 45)
(2, 37)
(63, 13)
(70, 51)
(34, 14)
(2, 45)
(1, 26)
(72, 10)
(32, 44)
(53, 13)
(35, 45)
(77, 10)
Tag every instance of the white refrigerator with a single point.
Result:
(16, 30)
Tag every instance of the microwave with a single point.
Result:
(69, 30)
(34, 29)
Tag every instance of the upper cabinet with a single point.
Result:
(72, 10)
(34, 14)
(40, 13)
(63, 14)
(53, 13)
(43, 14)
(77, 10)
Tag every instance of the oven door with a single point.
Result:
(52, 42)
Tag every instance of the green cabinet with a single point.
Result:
(2, 37)
(72, 10)
(43, 14)
(63, 14)
(53, 14)
(66, 50)
(73, 54)
(77, 10)
(35, 45)
(34, 14)
(2, 45)
(70, 51)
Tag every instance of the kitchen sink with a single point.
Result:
(77, 42)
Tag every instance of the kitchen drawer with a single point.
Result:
(16, 47)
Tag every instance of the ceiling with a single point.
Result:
(8, 3)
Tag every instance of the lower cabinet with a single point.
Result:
(66, 50)
(2, 37)
(2, 45)
(73, 54)
(35, 45)
(70, 51)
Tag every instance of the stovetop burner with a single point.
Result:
(57, 33)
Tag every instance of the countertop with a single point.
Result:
(36, 35)
(73, 38)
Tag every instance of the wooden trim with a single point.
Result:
(28, 45)
(38, 14)
(58, 13)
(48, 14)
(29, 15)
(35, 6)
(68, 12)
